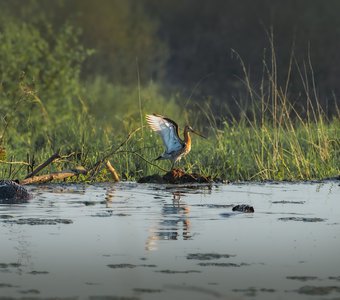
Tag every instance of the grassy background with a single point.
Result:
(46, 107)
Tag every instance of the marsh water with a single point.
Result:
(139, 241)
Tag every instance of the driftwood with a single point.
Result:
(32, 177)
(51, 176)
(113, 171)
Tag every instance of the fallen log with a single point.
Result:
(52, 176)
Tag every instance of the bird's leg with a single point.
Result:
(172, 165)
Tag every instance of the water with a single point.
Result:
(133, 241)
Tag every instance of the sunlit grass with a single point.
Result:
(235, 152)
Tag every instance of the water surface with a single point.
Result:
(139, 241)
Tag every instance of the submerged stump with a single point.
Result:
(176, 176)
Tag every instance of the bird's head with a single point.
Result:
(190, 129)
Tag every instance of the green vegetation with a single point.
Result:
(47, 106)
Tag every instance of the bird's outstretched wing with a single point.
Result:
(168, 130)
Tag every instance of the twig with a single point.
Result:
(95, 167)
(140, 156)
(149, 162)
(14, 162)
(65, 157)
(43, 165)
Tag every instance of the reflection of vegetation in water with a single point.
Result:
(46, 105)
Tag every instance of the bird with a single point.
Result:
(175, 147)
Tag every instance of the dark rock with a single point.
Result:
(10, 190)
(244, 208)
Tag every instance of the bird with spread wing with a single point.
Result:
(175, 147)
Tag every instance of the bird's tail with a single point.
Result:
(159, 157)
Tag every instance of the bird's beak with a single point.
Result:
(199, 134)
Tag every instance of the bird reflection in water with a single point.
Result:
(109, 195)
(173, 225)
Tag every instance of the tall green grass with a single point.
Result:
(241, 150)
(236, 152)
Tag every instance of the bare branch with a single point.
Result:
(94, 170)
(14, 163)
(43, 165)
